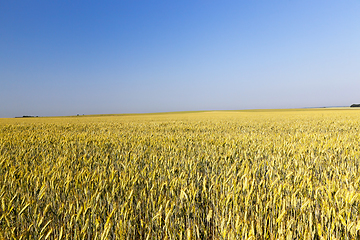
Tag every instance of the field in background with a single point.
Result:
(264, 174)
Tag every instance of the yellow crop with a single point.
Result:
(280, 174)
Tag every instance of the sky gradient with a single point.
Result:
(103, 57)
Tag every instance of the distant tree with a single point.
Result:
(355, 105)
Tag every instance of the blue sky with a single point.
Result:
(95, 57)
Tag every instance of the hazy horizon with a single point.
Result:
(185, 111)
(61, 58)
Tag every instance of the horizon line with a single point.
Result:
(167, 112)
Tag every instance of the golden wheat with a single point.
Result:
(209, 175)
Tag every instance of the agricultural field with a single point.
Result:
(270, 174)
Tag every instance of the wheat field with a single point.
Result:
(265, 174)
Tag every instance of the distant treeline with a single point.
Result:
(26, 116)
(355, 105)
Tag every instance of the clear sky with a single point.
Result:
(93, 57)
